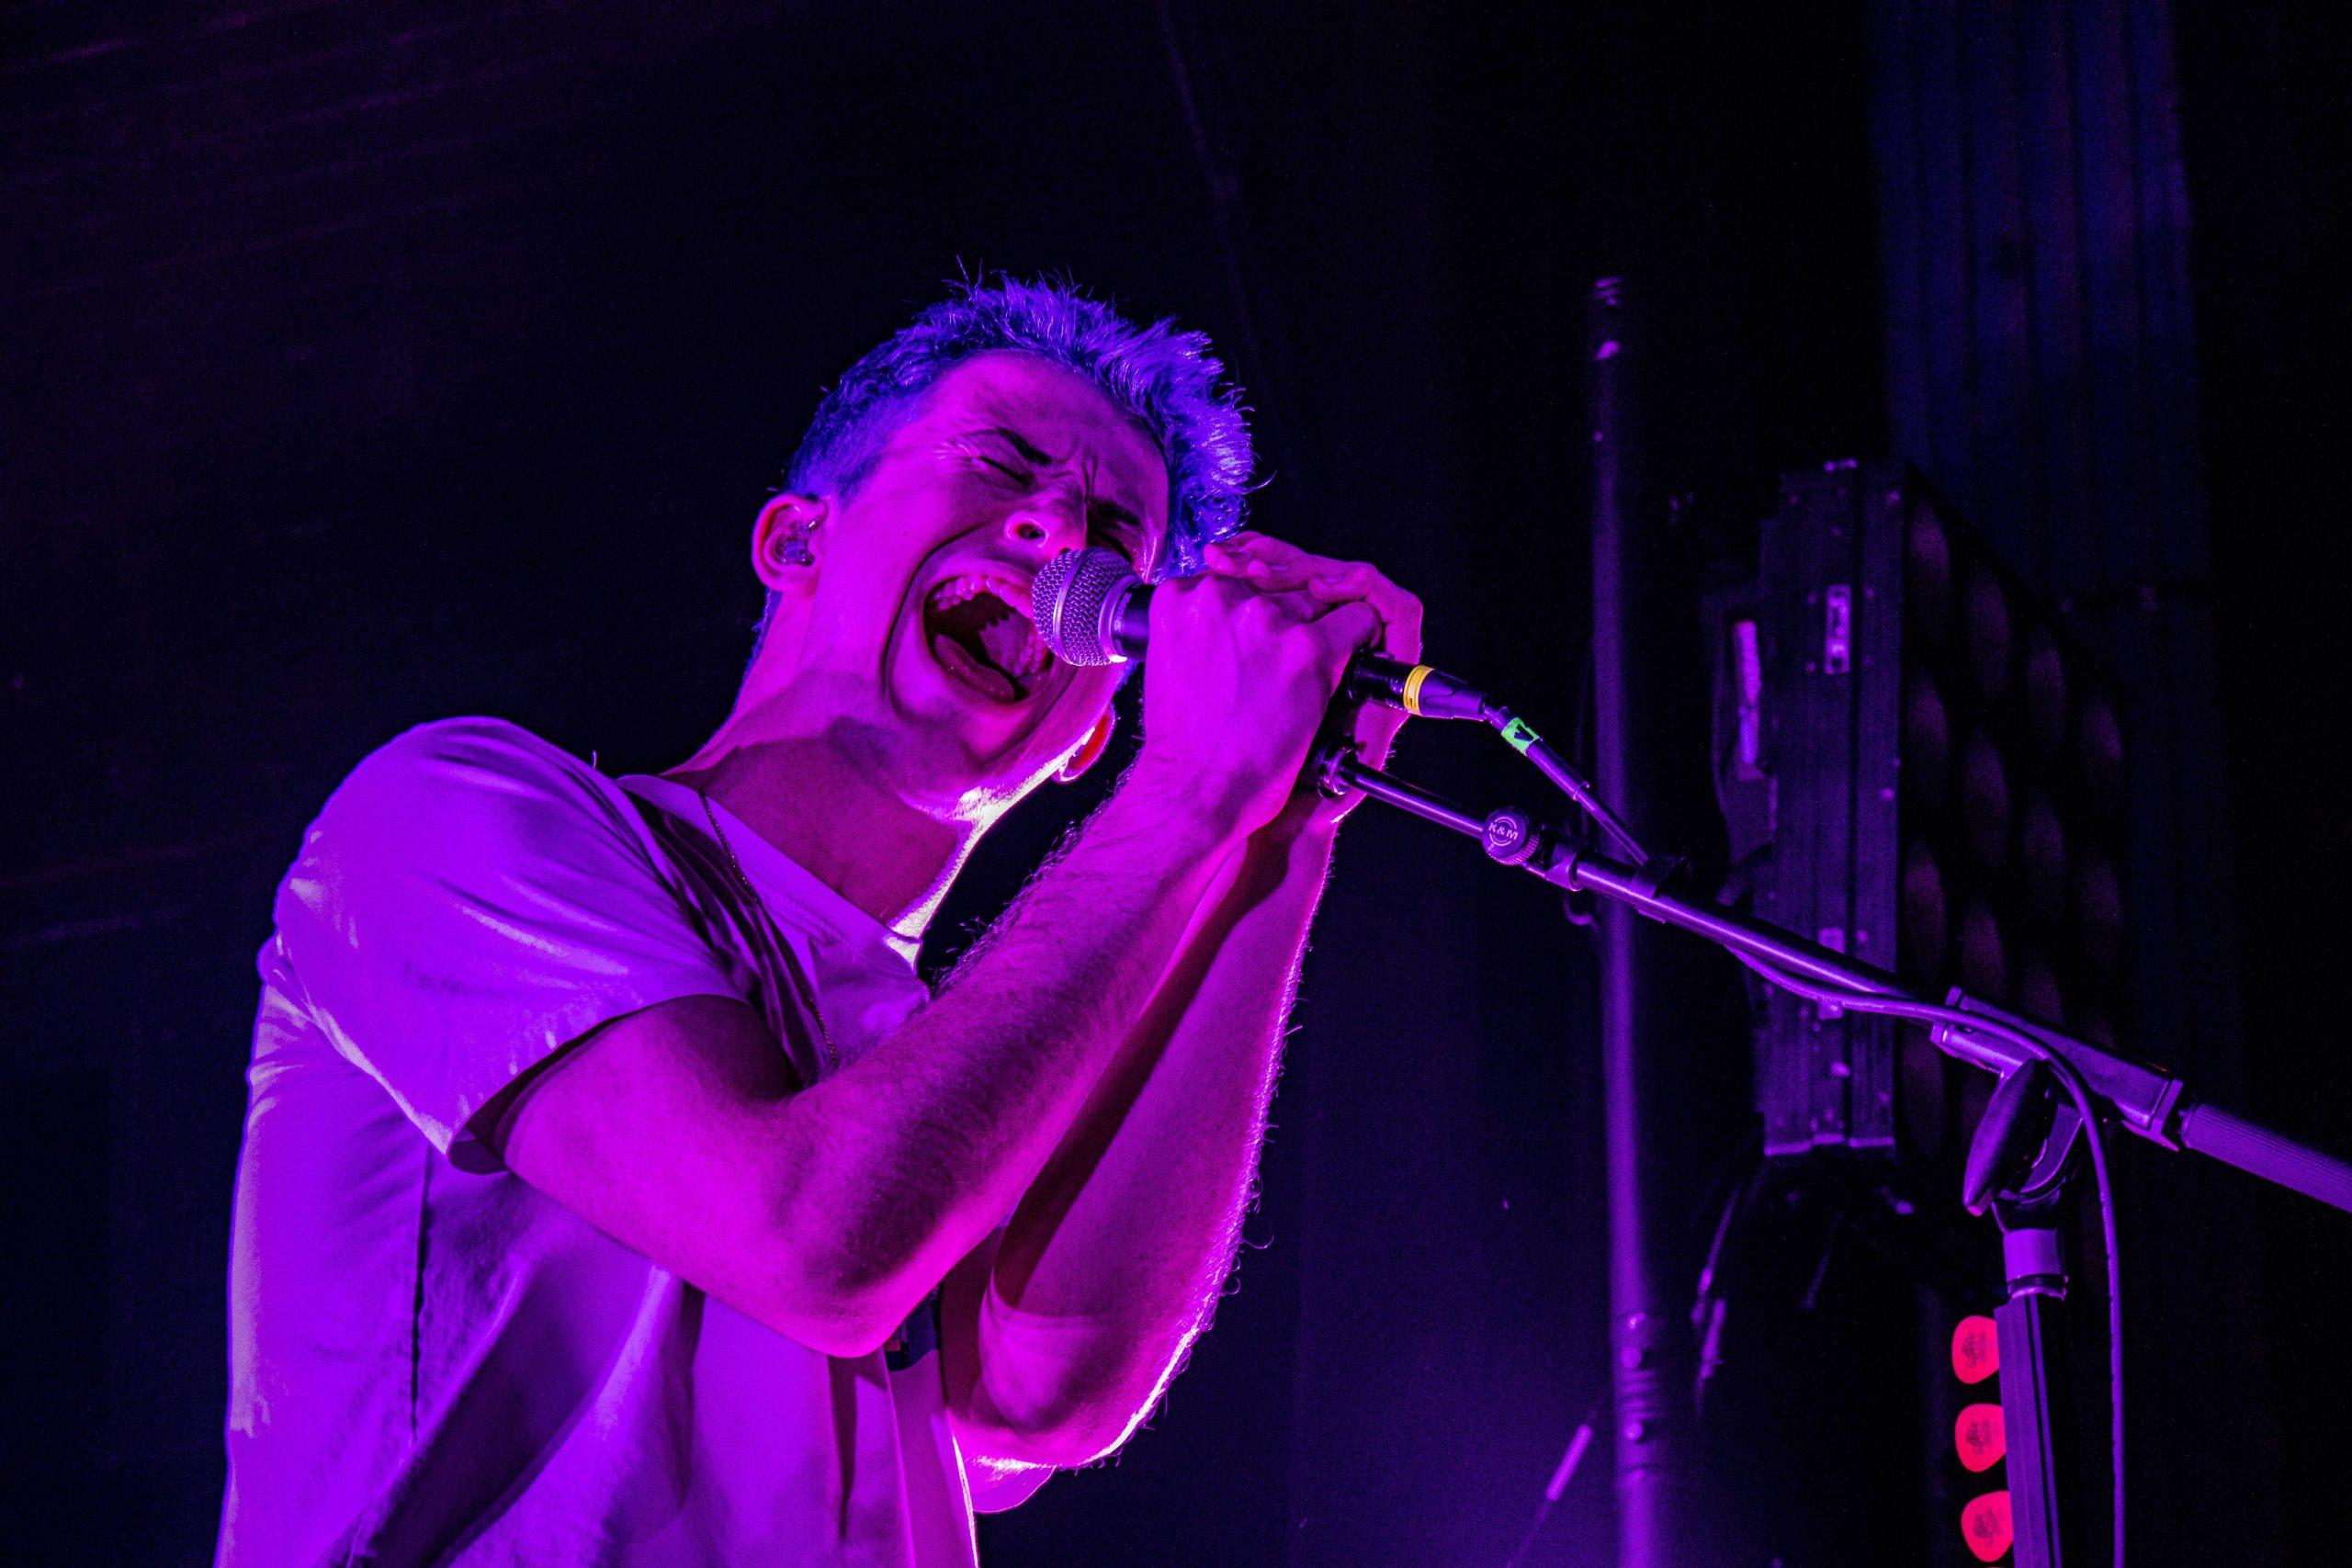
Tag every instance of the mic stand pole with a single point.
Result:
(1662, 1519)
(2026, 1324)
(2022, 1152)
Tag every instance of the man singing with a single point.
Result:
(613, 1192)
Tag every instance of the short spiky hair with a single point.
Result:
(1164, 378)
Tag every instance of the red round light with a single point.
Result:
(1985, 1525)
(1976, 1349)
(1980, 1436)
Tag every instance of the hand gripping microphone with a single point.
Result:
(1092, 609)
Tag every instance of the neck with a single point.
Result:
(815, 800)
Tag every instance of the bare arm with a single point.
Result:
(828, 1213)
(1114, 1262)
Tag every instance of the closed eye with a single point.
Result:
(1026, 457)
(1127, 541)
(1109, 522)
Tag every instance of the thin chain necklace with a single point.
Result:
(743, 883)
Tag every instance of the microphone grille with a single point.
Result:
(1068, 595)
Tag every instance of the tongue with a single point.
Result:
(1004, 640)
(986, 679)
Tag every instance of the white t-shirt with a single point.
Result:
(432, 1362)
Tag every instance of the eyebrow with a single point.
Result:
(1022, 445)
(1111, 510)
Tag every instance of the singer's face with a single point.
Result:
(919, 631)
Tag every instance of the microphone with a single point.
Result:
(1091, 608)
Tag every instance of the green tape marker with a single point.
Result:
(1519, 736)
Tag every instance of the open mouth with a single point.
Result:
(981, 641)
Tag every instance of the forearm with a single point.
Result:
(1126, 1236)
(921, 1146)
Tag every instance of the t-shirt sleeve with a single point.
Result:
(471, 900)
(994, 1485)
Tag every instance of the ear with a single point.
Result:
(786, 542)
(1090, 750)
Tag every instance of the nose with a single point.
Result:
(1047, 524)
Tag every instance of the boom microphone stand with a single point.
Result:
(2055, 1093)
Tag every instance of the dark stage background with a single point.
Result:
(368, 364)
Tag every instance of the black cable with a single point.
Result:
(1554, 767)
(2071, 1078)
(1566, 1471)
(1707, 1306)
(1521, 738)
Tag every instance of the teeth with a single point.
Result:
(967, 585)
(1027, 656)
(1032, 654)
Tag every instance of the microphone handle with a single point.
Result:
(1423, 692)
(1418, 689)
(1126, 619)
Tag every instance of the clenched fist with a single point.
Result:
(1246, 659)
